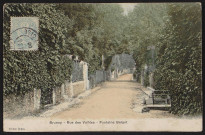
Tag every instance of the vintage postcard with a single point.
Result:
(102, 67)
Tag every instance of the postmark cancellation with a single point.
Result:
(24, 33)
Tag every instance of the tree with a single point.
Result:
(179, 58)
(143, 29)
(97, 31)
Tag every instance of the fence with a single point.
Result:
(77, 71)
(35, 100)
(98, 77)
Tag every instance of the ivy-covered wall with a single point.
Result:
(45, 68)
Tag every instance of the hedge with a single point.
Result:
(179, 60)
(45, 68)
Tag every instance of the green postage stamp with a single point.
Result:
(24, 33)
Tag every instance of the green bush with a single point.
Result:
(45, 68)
(179, 63)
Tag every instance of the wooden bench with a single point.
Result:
(160, 99)
(158, 106)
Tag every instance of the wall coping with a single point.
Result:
(79, 82)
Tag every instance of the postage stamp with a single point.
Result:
(24, 33)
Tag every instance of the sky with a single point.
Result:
(127, 7)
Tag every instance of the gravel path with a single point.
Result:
(121, 98)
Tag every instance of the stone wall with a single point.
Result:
(21, 105)
(57, 95)
(32, 101)
(68, 89)
(78, 87)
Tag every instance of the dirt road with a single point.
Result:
(112, 103)
(113, 100)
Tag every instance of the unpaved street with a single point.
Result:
(114, 100)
